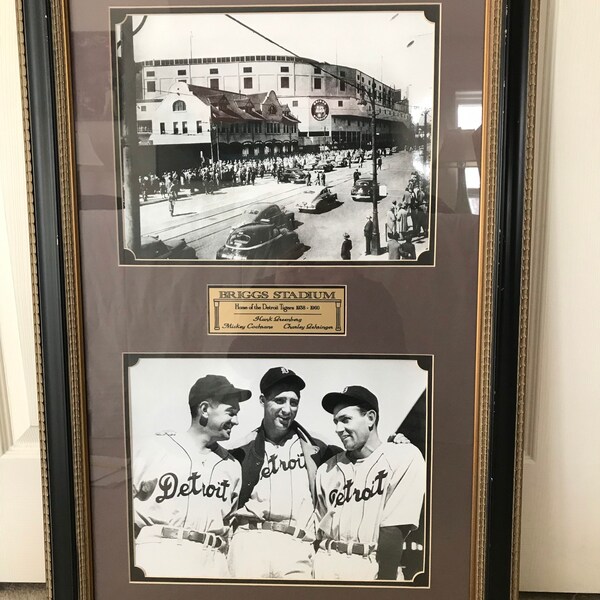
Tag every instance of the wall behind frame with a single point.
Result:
(560, 549)
(562, 470)
(21, 528)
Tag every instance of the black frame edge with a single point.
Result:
(507, 300)
(52, 304)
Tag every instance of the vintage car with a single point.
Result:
(316, 199)
(260, 241)
(362, 190)
(324, 166)
(341, 161)
(154, 248)
(293, 176)
(265, 212)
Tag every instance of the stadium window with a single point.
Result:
(213, 71)
(143, 108)
(178, 106)
(150, 74)
(317, 83)
(181, 72)
(162, 128)
(294, 102)
(340, 103)
(184, 128)
(342, 73)
(285, 82)
(175, 127)
(214, 84)
(317, 71)
(247, 69)
(247, 83)
(198, 126)
(285, 69)
(150, 86)
(342, 86)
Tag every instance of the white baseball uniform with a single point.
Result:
(282, 496)
(183, 501)
(355, 499)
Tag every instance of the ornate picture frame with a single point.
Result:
(101, 308)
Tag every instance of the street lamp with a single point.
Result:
(370, 95)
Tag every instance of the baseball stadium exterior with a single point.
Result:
(263, 104)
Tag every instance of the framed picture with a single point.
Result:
(282, 261)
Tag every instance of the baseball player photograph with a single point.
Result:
(185, 487)
(369, 497)
(302, 489)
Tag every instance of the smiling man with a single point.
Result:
(275, 524)
(369, 498)
(186, 487)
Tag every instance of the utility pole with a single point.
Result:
(375, 240)
(129, 139)
(425, 133)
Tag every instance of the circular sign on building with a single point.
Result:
(319, 110)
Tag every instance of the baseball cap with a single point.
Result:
(215, 387)
(278, 376)
(351, 395)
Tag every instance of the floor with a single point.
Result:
(23, 591)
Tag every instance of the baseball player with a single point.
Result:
(186, 487)
(369, 497)
(275, 522)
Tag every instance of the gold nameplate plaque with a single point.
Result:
(277, 310)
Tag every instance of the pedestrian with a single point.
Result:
(368, 231)
(394, 247)
(308, 178)
(391, 224)
(379, 163)
(356, 176)
(407, 248)
(346, 247)
(323, 178)
(402, 219)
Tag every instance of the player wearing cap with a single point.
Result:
(369, 497)
(275, 524)
(186, 486)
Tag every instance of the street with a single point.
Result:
(205, 220)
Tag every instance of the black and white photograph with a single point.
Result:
(279, 469)
(284, 135)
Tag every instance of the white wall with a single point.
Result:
(561, 494)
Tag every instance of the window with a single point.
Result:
(144, 126)
(294, 102)
(342, 73)
(214, 71)
(143, 108)
(175, 127)
(150, 86)
(214, 84)
(184, 128)
(317, 83)
(178, 106)
(247, 69)
(340, 103)
(342, 86)
(317, 71)
(181, 72)
(150, 74)
(247, 83)
(198, 126)
(285, 69)
(162, 128)
(285, 82)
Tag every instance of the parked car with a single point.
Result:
(316, 199)
(341, 161)
(154, 248)
(311, 164)
(324, 166)
(293, 176)
(362, 190)
(265, 212)
(369, 155)
(260, 241)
